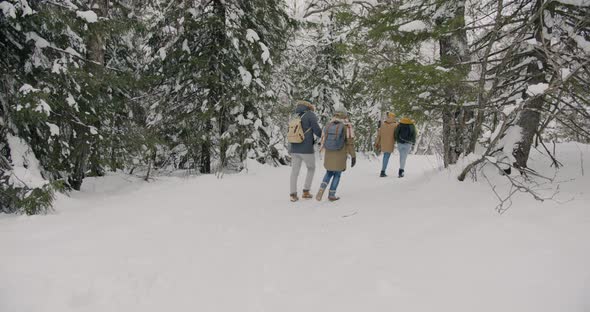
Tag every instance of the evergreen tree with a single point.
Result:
(59, 100)
(510, 71)
(213, 65)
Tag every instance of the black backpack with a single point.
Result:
(404, 134)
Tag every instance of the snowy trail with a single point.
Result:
(237, 244)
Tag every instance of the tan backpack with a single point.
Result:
(296, 133)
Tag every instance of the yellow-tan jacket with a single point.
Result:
(385, 141)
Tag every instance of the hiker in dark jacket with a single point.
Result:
(335, 159)
(304, 151)
(405, 136)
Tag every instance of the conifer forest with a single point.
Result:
(151, 87)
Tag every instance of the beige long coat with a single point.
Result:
(385, 139)
(336, 160)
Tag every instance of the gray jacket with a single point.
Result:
(309, 121)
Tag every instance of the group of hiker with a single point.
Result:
(337, 142)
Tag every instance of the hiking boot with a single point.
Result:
(306, 195)
(400, 174)
(320, 193)
(294, 197)
(382, 175)
(332, 197)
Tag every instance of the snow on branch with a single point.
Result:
(88, 16)
(309, 12)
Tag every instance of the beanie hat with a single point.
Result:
(307, 104)
(341, 113)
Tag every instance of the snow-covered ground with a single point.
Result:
(423, 243)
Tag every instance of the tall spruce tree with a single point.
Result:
(212, 65)
(417, 54)
(58, 96)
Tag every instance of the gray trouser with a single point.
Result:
(296, 160)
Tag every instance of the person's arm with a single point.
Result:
(395, 133)
(315, 127)
(350, 150)
(350, 147)
(394, 129)
(378, 139)
(414, 134)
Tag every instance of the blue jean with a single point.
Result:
(404, 149)
(335, 177)
(385, 161)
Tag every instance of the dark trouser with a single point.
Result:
(335, 177)
(385, 161)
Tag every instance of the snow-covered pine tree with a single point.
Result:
(521, 53)
(324, 81)
(58, 97)
(212, 65)
(124, 139)
(317, 58)
(399, 43)
(321, 68)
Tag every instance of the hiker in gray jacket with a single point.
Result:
(304, 151)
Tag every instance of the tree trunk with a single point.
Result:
(96, 44)
(453, 51)
(217, 89)
(4, 121)
(530, 117)
(205, 156)
(80, 158)
(83, 141)
(528, 121)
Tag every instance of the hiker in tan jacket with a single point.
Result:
(338, 143)
(385, 141)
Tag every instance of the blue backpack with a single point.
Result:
(334, 136)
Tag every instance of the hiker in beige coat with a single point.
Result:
(385, 141)
(335, 159)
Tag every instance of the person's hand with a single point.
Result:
(352, 162)
(377, 146)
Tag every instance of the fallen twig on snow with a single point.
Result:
(350, 215)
